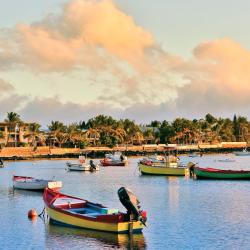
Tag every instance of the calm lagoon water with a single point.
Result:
(182, 213)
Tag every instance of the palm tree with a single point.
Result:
(13, 119)
(57, 132)
(75, 135)
(35, 134)
(93, 135)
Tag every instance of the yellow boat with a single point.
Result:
(161, 170)
(170, 166)
(76, 212)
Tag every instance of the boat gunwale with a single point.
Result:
(162, 167)
(222, 171)
(21, 177)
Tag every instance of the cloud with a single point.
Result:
(96, 36)
(218, 79)
(9, 100)
(44, 110)
(85, 32)
(5, 87)
(138, 77)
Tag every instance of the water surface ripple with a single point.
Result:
(182, 213)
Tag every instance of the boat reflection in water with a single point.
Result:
(21, 192)
(173, 193)
(58, 237)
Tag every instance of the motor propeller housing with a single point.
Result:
(132, 204)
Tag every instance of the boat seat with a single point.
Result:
(109, 211)
(86, 212)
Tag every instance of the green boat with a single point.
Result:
(214, 173)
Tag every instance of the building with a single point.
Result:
(13, 134)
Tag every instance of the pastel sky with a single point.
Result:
(144, 60)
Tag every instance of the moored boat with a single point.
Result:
(161, 170)
(215, 173)
(116, 159)
(30, 183)
(83, 166)
(170, 166)
(244, 152)
(76, 212)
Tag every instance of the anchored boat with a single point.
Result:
(76, 212)
(83, 166)
(30, 183)
(169, 166)
(214, 173)
(116, 159)
(152, 169)
(244, 152)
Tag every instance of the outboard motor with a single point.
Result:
(132, 204)
(92, 166)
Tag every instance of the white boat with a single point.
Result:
(30, 183)
(82, 167)
(244, 152)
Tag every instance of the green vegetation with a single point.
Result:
(106, 131)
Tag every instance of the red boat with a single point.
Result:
(76, 212)
(116, 159)
(108, 163)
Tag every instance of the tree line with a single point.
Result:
(106, 131)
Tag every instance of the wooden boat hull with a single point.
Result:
(108, 223)
(161, 170)
(63, 219)
(113, 164)
(203, 173)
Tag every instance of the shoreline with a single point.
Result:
(41, 153)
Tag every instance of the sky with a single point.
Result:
(72, 60)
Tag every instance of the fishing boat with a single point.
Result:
(214, 173)
(170, 166)
(244, 152)
(161, 170)
(71, 211)
(82, 166)
(116, 159)
(30, 183)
